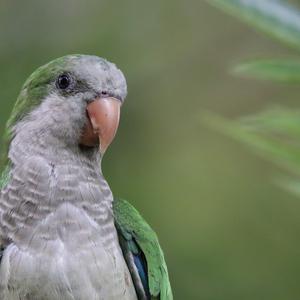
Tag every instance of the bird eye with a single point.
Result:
(63, 81)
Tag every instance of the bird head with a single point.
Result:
(76, 99)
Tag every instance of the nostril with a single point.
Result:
(104, 93)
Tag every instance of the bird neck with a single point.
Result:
(81, 162)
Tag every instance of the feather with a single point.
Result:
(137, 238)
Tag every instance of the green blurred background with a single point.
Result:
(227, 231)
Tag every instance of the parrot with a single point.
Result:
(63, 235)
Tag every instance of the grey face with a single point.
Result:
(90, 76)
(68, 85)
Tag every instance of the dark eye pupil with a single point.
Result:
(63, 81)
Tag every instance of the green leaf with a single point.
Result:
(286, 71)
(290, 184)
(274, 135)
(276, 18)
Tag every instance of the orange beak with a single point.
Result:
(104, 117)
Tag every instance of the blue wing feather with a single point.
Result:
(141, 266)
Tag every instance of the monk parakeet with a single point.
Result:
(62, 234)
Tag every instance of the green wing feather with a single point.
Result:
(131, 224)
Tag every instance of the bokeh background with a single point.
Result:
(227, 231)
